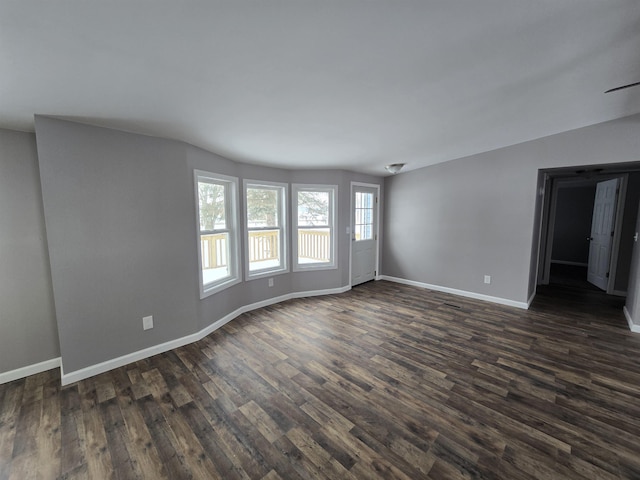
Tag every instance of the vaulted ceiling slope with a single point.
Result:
(331, 84)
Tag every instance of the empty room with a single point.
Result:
(295, 240)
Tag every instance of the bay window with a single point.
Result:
(217, 212)
(266, 228)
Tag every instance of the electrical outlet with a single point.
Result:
(271, 282)
(147, 322)
(487, 279)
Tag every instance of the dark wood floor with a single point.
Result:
(570, 276)
(385, 381)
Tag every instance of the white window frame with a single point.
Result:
(231, 185)
(333, 195)
(283, 190)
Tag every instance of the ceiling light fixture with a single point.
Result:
(394, 167)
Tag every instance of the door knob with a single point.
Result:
(589, 239)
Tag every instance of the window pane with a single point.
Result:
(313, 208)
(314, 245)
(368, 216)
(215, 257)
(364, 216)
(364, 229)
(264, 249)
(211, 204)
(262, 207)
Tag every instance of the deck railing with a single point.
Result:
(314, 245)
(263, 245)
(214, 250)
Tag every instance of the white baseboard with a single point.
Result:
(90, 371)
(619, 293)
(18, 373)
(462, 293)
(575, 264)
(632, 326)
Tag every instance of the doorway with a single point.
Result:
(587, 227)
(364, 232)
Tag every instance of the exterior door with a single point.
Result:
(364, 233)
(602, 224)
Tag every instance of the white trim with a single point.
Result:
(619, 293)
(232, 203)
(566, 262)
(332, 226)
(283, 225)
(90, 371)
(22, 372)
(632, 326)
(462, 293)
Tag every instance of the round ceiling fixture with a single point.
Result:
(394, 167)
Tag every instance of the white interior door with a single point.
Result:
(602, 224)
(364, 233)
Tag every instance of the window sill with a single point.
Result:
(313, 268)
(208, 291)
(265, 273)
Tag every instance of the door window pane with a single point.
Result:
(364, 216)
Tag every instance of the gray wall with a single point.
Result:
(450, 224)
(574, 209)
(122, 238)
(28, 332)
(633, 295)
(120, 213)
(626, 235)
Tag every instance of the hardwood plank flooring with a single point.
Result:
(385, 381)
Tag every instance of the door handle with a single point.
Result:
(589, 239)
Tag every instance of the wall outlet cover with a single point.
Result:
(147, 322)
(487, 279)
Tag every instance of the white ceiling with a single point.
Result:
(353, 84)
